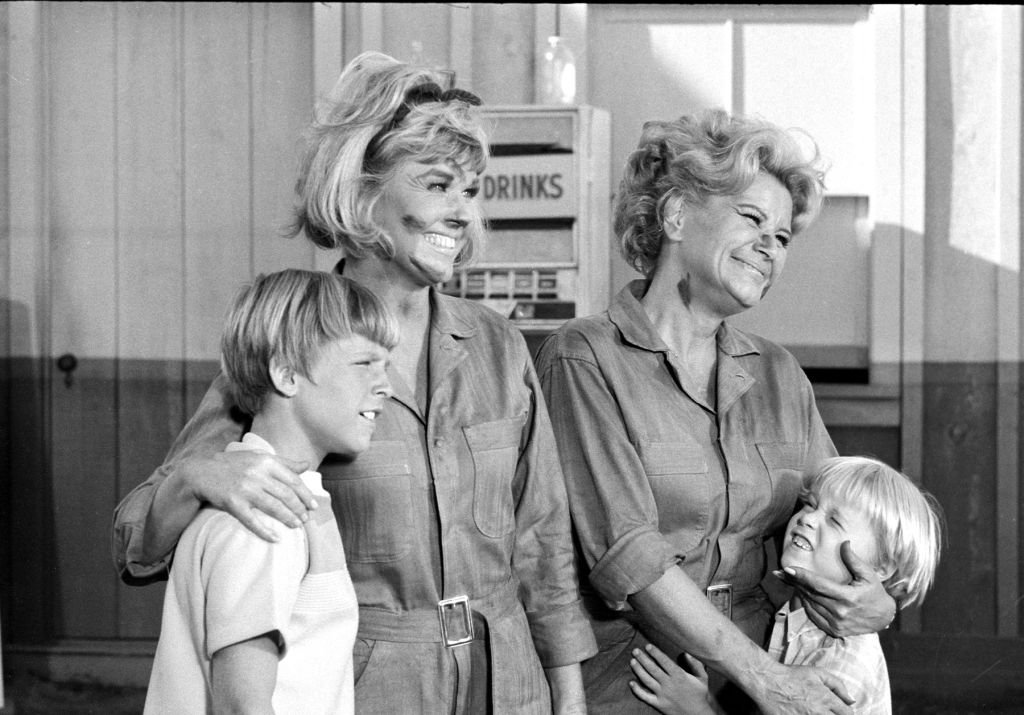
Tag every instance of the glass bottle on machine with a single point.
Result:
(557, 80)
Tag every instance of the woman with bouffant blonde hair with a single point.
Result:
(350, 153)
(455, 520)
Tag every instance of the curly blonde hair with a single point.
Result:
(701, 155)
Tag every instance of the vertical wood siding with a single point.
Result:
(169, 161)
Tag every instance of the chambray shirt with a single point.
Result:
(467, 499)
(856, 660)
(657, 479)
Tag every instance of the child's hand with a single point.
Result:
(668, 687)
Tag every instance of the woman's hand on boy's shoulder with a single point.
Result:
(861, 606)
(257, 488)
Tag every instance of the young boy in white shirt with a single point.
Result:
(255, 626)
(890, 522)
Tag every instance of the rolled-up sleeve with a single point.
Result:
(211, 429)
(129, 527)
(613, 509)
(544, 559)
(635, 561)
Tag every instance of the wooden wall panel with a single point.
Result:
(503, 63)
(150, 415)
(282, 105)
(84, 293)
(5, 213)
(959, 467)
(26, 517)
(6, 308)
(170, 134)
(218, 173)
(150, 226)
(426, 26)
(29, 535)
(26, 131)
(150, 205)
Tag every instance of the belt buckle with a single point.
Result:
(720, 595)
(456, 621)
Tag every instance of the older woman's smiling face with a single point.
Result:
(425, 211)
(734, 247)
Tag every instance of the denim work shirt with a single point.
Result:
(657, 479)
(467, 499)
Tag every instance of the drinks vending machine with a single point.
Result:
(546, 196)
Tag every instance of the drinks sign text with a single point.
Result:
(532, 186)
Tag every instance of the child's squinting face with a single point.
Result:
(816, 532)
(347, 389)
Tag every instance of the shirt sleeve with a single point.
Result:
(211, 429)
(860, 665)
(613, 508)
(249, 585)
(544, 558)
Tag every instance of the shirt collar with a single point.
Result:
(629, 316)
(253, 442)
(797, 624)
(448, 315)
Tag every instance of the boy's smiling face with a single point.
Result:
(338, 404)
(816, 532)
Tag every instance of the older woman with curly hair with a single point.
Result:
(682, 438)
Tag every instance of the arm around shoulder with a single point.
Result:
(148, 522)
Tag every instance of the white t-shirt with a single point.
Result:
(227, 585)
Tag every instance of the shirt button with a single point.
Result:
(439, 442)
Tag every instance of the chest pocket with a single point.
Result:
(678, 475)
(784, 462)
(372, 500)
(495, 450)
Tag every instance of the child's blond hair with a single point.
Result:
(907, 520)
(289, 316)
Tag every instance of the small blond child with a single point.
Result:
(256, 626)
(890, 522)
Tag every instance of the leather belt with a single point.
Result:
(451, 622)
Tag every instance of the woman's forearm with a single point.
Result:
(567, 696)
(677, 609)
(173, 507)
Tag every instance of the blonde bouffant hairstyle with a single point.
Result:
(361, 133)
(708, 154)
(907, 520)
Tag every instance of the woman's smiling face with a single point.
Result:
(425, 211)
(733, 247)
